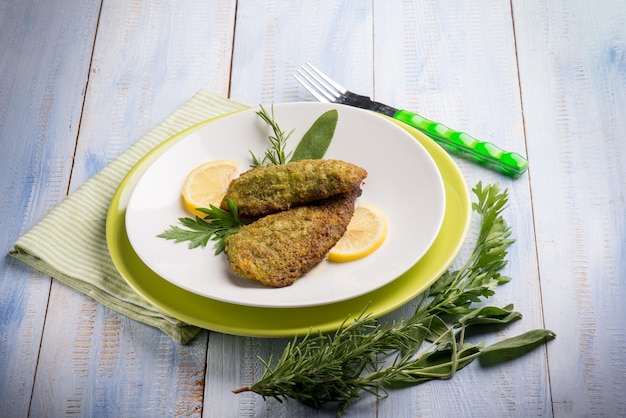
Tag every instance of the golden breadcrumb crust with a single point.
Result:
(279, 248)
(264, 190)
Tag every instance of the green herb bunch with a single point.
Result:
(365, 356)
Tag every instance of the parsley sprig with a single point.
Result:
(215, 226)
(365, 356)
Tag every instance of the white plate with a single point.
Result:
(403, 181)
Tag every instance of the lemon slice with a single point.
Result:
(207, 184)
(365, 233)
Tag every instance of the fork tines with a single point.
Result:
(322, 87)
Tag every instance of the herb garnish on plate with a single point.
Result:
(313, 144)
(217, 224)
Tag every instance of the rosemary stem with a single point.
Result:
(242, 389)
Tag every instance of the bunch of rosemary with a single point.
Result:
(365, 356)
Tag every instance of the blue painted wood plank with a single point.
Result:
(274, 38)
(573, 83)
(43, 73)
(149, 58)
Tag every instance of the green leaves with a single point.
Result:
(276, 155)
(455, 291)
(517, 346)
(313, 144)
(216, 226)
(430, 345)
(316, 140)
(198, 232)
(490, 315)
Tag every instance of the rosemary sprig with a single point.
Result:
(275, 155)
(215, 226)
(364, 356)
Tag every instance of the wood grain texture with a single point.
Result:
(43, 71)
(456, 64)
(573, 82)
(270, 44)
(149, 59)
(81, 81)
(109, 365)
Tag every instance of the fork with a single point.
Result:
(324, 89)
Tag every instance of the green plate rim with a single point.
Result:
(288, 322)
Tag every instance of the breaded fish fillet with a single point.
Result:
(264, 190)
(279, 248)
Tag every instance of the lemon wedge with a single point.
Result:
(207, 184)
(366, 231)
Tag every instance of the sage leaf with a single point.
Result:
(442, 363)
(437, 329)
(514, 347)
(490, 315)
(316, 140)
(528, 338)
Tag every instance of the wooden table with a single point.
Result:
(80, 81)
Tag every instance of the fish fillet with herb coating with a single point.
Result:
(264, 190)
(279, 248)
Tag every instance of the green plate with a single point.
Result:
(286, 322)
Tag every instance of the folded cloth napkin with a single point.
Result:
(69, 243)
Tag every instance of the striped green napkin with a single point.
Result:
(69, 243)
